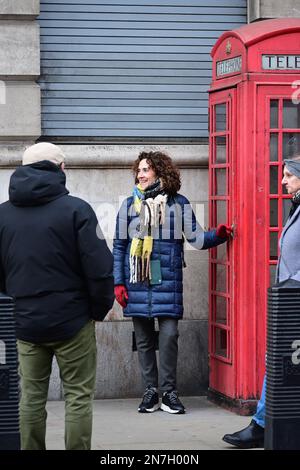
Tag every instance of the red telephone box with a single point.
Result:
(254, 124)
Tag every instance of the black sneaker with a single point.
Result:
(171, 403)
(150, 401)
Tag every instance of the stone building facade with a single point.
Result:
(95, 168)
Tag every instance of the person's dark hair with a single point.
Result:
(164, 168)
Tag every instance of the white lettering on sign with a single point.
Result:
(227, 66)
(280, 62)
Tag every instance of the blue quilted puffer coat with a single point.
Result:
(165, 299)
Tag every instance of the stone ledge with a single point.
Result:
(113, 156)
(17, 8)
(19, 49)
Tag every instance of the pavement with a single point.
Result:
(118, 426)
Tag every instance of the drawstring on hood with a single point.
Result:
(37, 184)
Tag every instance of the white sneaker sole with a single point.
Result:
(169, 410)
(149, 410)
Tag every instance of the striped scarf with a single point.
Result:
(150, 204)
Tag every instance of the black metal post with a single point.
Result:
(283, 367)
(9, 389)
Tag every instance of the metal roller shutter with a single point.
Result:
(129, 68)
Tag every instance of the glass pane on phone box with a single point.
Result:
(221, 278)
(291, 144)
(222, 252)
(273, 180)
(274, 147)
(221, 212)
(221, 182)
(291, 114)
(272, 270)
(221, 310)
(286, 207)
(273, 212)
(274, 114)
(221, 342)
(273, 245)
(220, 110)
(220, 149)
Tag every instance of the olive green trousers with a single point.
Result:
(76, 360)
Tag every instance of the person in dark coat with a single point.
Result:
(58, 268)
(148, 260)
(288, 267)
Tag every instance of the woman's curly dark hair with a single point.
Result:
(164, 168)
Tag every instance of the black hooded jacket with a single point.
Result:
(54, 260)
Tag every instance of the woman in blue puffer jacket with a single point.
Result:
(148, 260)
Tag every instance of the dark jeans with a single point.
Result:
(168, 351)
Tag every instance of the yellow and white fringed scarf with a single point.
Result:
(152, 214)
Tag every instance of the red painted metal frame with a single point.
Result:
(238, 376)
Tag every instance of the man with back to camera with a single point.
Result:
(56, 264)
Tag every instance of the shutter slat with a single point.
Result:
(111, 18)
(142, 72)
(59, 88)
(56, 30)
(145, 9)
(135, 3)
(132, 25)
(116, 132)
(113, 118)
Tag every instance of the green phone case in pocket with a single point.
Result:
(155, 272)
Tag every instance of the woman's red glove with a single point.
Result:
(224, 231)
(121, 295)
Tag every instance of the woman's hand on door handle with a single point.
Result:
(224, 231)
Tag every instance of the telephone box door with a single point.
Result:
(221, 258)
(278, 138)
